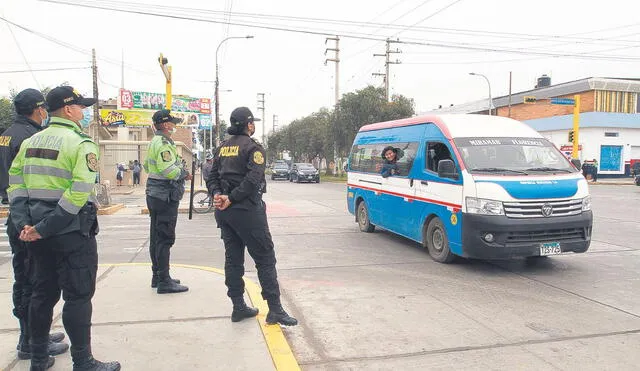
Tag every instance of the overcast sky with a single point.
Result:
(567, 40)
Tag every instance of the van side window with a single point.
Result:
(367, 158)
(436, 151)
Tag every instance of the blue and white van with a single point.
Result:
(470, 185)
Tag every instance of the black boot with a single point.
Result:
(56, 337)
(155, 279)
(53, 349)
(93, 364)
(42, 366)
(241, 310)
(278, 315)
(168, 286)
(40, 361)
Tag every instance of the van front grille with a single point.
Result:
(542, 209)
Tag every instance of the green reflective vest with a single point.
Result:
(164, 166)
(52, 178)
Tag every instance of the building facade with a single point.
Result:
(609, 118)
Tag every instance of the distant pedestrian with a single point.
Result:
(137, 169)
(594, 171)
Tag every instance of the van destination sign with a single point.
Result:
(500, 142)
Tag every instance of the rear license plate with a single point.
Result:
(550, 248)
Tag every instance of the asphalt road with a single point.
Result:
(377, 301)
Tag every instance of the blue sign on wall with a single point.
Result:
(563, 101)
(610, 158)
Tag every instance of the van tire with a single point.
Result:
(363, 218)
(437, 242)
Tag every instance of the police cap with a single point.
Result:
(164, 115)
(242, 116)
(28, 100)
(62, 96)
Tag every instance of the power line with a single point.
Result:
(48, 69)
(24, 56)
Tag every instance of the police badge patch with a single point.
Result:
(166, 156)
(258, 158)
(92, 162)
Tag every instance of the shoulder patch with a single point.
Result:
(92, 162)
(258, 158)
(166, 156)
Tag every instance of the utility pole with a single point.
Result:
(388, 62)
(336, 60)
(261, 108)
(95, 133)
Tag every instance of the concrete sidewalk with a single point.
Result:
(147, 331)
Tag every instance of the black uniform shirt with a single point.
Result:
(238, 169)
(10, 141)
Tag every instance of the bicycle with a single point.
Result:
(202, 202)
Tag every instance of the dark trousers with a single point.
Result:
(246, 225)
(136, 178)
(66, 263)
(162, 233)
(22, 284)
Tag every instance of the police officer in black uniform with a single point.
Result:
(237, 183)
(31, 116)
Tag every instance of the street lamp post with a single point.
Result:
(489, 84)
(217, 97)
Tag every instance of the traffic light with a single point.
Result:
(571, 136)
(530, 99)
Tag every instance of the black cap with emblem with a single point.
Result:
(164, 115)
(242, 116)
(28, 100)
(62, 96)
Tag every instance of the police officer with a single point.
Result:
(165, 188)
(31, 115)
(237, 182)
(53, 205)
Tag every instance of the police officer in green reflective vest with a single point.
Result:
(51, 183)
(165, 188)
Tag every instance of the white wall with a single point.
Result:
(592, 138)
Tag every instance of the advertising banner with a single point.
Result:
(138, 118)
(153, 101)
(205, 121)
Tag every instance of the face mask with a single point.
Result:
(173, 131)
(45, 121)
(87, 113)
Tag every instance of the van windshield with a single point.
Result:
(525, 156)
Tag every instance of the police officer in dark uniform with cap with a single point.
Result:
(165, 188)
(31, 116)
(51, 191)
(237, 183)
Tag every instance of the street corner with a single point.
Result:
(204, 309)
(110, 210)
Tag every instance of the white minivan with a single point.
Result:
(469, 185)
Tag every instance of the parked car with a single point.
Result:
(304, 172)
(280, 170)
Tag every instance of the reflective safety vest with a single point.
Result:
(52, 178)
(162, 160)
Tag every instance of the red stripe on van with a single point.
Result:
(409, 197)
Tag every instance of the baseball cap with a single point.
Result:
(27, 100)
(164, 115)
(242, 116)
(62, 96)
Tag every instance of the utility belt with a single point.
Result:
(255, 199)
(88, 218)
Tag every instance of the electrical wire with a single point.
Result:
(26, 61)
(48, 69)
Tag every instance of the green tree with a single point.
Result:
(7, 113)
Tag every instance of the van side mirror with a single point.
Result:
(576, 163)
(447, 169)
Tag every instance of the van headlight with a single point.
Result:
(484, 207)
(586, 203)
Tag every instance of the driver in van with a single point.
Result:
(390, 165)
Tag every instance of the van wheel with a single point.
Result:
(363, 218)
(437, 243)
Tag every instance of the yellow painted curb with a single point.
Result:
(281, 353)
(110, 209)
